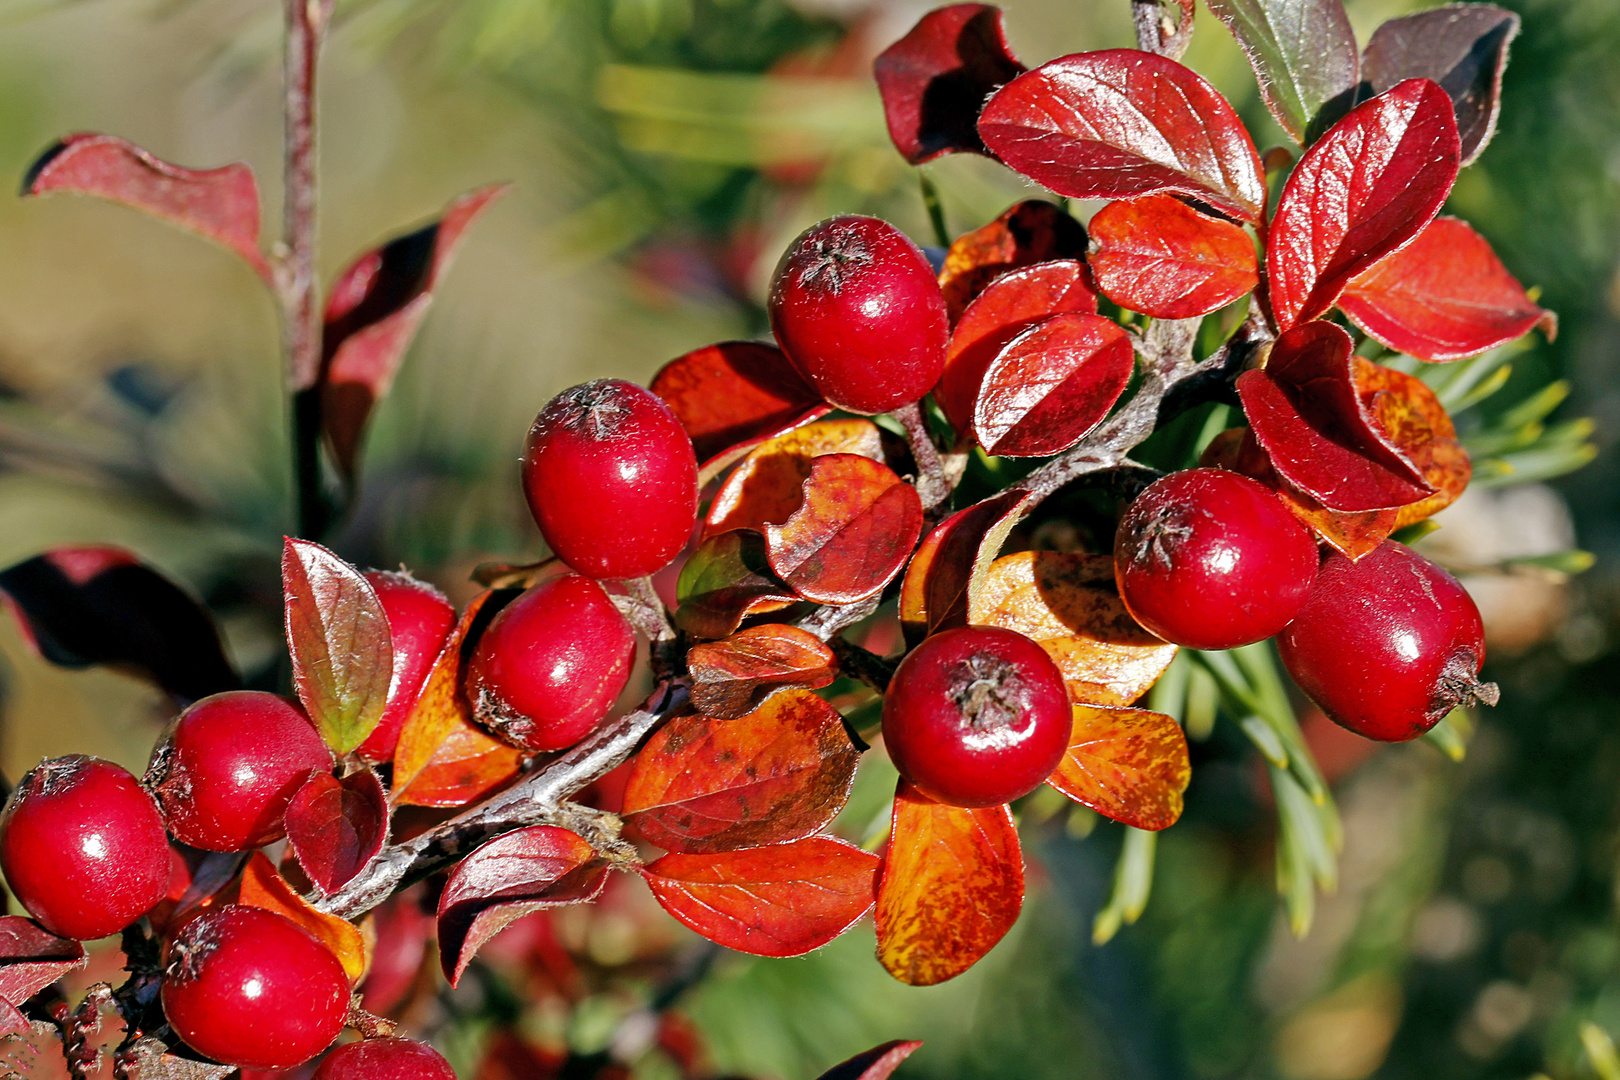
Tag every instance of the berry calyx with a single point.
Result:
(858, 310)
(551, 664)
(385, 1059)
(252, 988)
(612, 479)
(229, 766)
(83, 847)
(420, 618)
(977, 716)
(1388, 645)
(1212, 560)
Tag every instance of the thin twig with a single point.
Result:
(936, 208)
(1155, 32)
(862, 664)
(932, 484)
(646, 611)
(828, 621)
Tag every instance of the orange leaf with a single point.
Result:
(1029, 232)
(1069, 605)
(1127, 764)
(731, 678)
(934, 594)
(854, 531)
(439, 704)
(951, 887)
(263, 887)
(767, 487)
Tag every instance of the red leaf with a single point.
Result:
(854, 531)
(1444, 296)
(732, 395)
(79, 606)
(31, 958)
(1303, 53)
(1120, 123)
(951, 560)
(372, 315)
(783, 900)
(769, 484)
(780, 773)
(951, 887)
(342, 653)
(877, 1063)
(1159, 256)
(514, 875)
(1365, 190)
(732, 678)
(219, 204)
(1127, 764)
(1319, 433)
(336, 827)
(1051, 384)
(1009, 305)
(935, 80)
(1033, 231)
(727, 579)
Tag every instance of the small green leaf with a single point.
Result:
(1571, 562)
(1450, 735)
(1265, 740)
(1600, 1051)
(337, 632)
(1133, 882)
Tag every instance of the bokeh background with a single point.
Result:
(663, 152)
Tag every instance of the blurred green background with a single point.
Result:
(663, 152)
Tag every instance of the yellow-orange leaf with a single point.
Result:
(768, 486)
(440, 704)
(934, 592)
(263, 887)
(1127, 764)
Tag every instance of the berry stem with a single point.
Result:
(862, 664)
(1157, 33)
(645, 610)
(935, 207)
(932, 484)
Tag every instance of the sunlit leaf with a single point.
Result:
(336, 827)
(731, 678)
(1051, 384)
(1159, 256)
(935, 80)
(1127, 764)
(939, 579)
(263, 887)
(768, 486)
(1033, 231)
(853, 532)
(1303, 53)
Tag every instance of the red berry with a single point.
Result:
(1212, 560)
(551, 664)
(858, 310)
(420, 618)
(83, 847)
(612, 479)
(1388, 645)
(252, 988)
(230, 764)
(385, 1059)
(977, 716)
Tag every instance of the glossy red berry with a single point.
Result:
(252, 988)
(551, 664)
(612, 479)
(420, 618)
(1388, 645)
(859, 312)
(1212, 560)
(230, 764)
(385, 1059)
(977, 716)
(83, 847)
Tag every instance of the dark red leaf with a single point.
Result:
(1463, 47)
(935, 80)
(100, 605)
(1365, 190)
(1444, 296)
(1009, 305)
(780, 773)
(731, 395)
(1033, 231)
(783, 900)
(1319, 433)
(877, 1063)
(1120, 123)
(372, 314)
(31, 958)
(727, 579)
(514, 875)
(220, 204)
(336, 827)
(1303, 53)
(1159, 256)
(12, 1021)
(1051, 384)
(732, 678)
(854, 531)
(940, 580)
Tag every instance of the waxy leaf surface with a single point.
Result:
(1127, 764)
(783, 900)
(855, 530)
(511, 876)
(79, 606)
(769, 484)
(1051, 384)
(372, 314)
(727, 579)
(1303, 53)
(1159, 256)
(732, 678)
(1364, 191)
(951, 559)
(1008, 306)
(780, 773)
(729, 396)
(935, 80)
(336, 827)
(1445, 296)
(342, 653)
(1068, 604)
(1029, 232)
(952, 885)
(264, 887)
(31, 958)
(877, 1063)
(219, 204)
(1120, 123)
(1463, 47)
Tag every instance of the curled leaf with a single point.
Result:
(854, 531)
(769, 484)
(1033, 231)
(1412, 417)
(727, 579)
(1127, 764)
(940, 578)
(263, 887)
(336, 827)
(1303, 53)
(1051, 384)
(1159, 256)
(31, 958)
(935, 80)
(732, 678)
